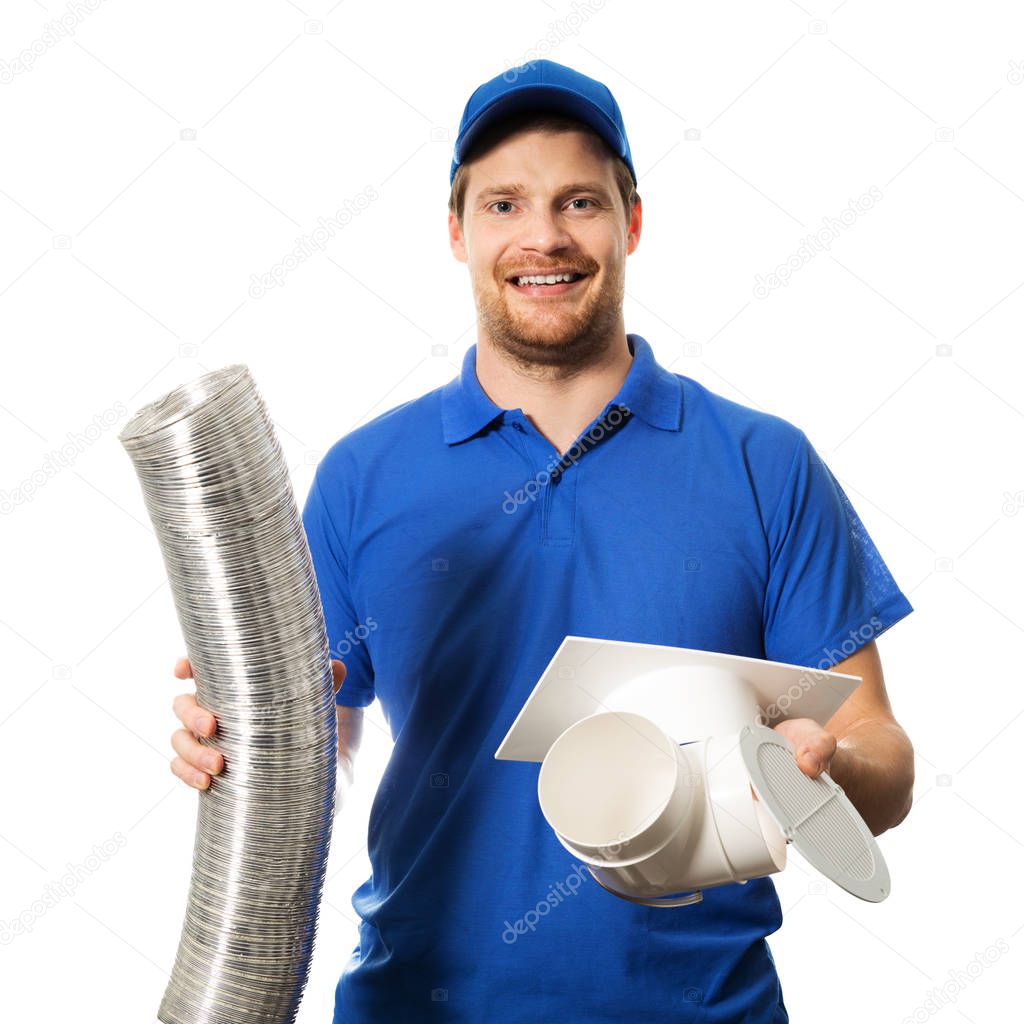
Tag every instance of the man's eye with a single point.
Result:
(508, 202)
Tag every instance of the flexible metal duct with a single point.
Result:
(220, 499)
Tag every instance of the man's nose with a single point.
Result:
(544, 230)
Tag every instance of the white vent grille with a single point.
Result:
(818, 817)
(815, 816)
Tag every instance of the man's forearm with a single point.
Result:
(350, 735)
(874, 763)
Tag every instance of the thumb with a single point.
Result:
(339, 670)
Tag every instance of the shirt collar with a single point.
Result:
(649, 391)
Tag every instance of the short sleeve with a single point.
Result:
(345, 634)
(829, 592)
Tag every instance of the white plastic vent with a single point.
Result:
(815, 815)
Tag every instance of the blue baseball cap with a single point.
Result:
(546, 86)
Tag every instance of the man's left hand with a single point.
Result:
(814, 746)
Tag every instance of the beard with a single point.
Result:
(568, 334)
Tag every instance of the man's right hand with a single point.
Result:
(195, 763)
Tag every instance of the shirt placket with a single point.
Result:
(556, 480)
(553, 491)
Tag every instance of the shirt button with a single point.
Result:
(518, 426)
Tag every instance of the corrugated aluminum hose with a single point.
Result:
(218, 493)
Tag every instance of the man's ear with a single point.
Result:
(635, 222)
(456, 239)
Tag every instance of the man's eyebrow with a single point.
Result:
(517, 189)
(514, 189)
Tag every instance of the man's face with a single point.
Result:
(536, 204)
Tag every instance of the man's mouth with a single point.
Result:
(541, 285)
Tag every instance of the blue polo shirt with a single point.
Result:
(454, 550)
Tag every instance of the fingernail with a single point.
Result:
(210, 763)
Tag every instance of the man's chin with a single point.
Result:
(546, 339)
(554, 336)
(549, 325)
(553, 348)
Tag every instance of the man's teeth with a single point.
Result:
(546, 279)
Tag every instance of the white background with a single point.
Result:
(126, 264)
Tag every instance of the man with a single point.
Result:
(565, 483)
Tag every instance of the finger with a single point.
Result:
(813, 747)
(188, 774)
(813, 756)
(183, 668)
(192, 716)
(339, 670)
(195, 754)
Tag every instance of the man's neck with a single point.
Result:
(559, 404)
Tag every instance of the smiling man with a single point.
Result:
(566, 483)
